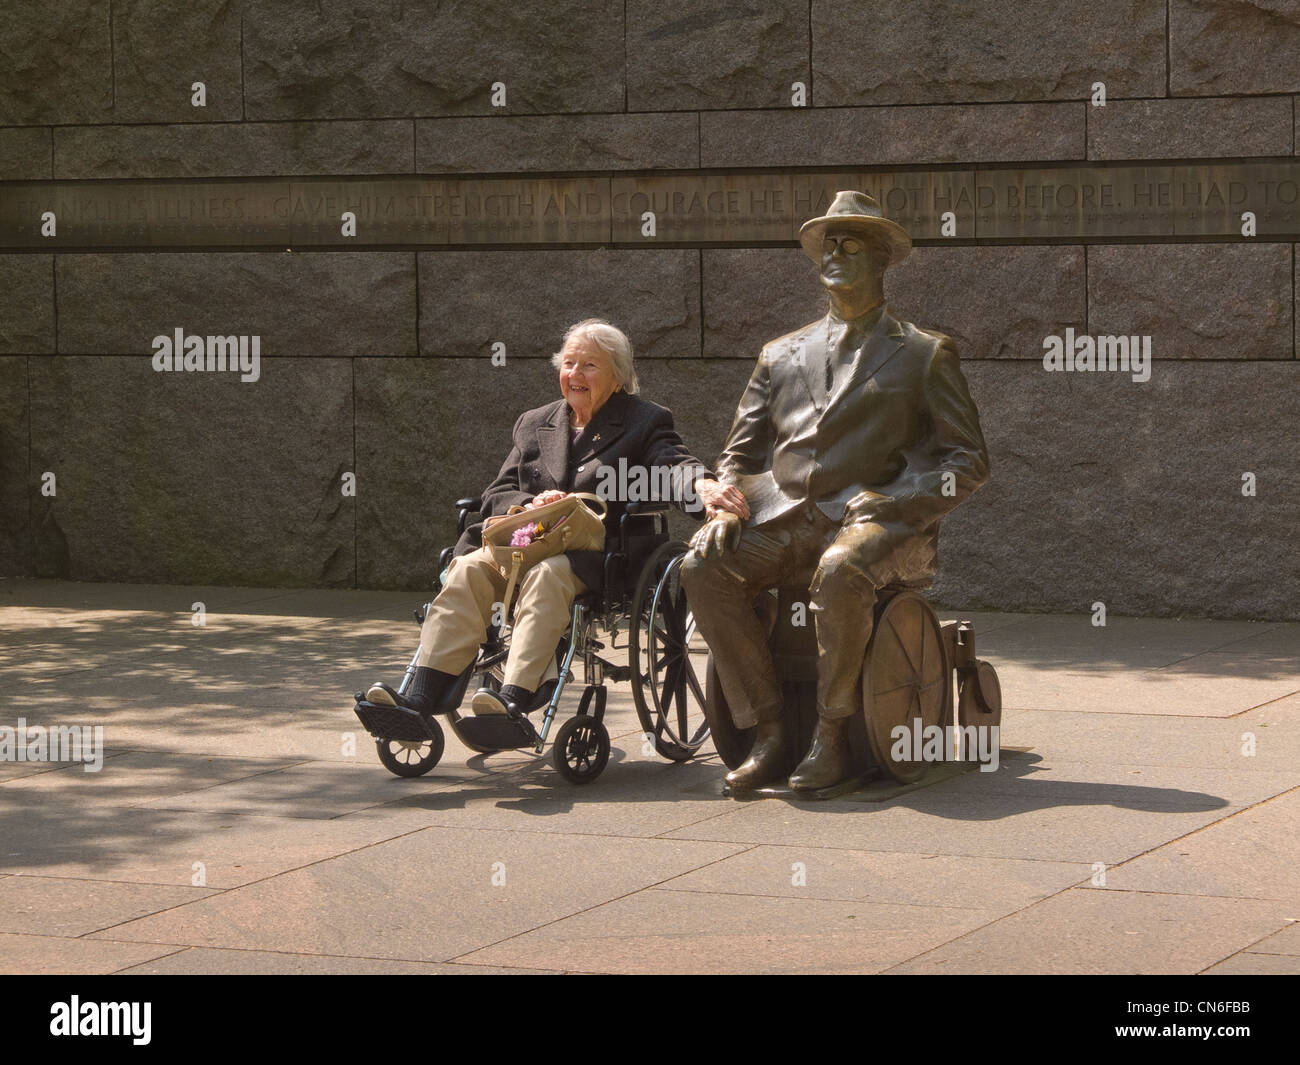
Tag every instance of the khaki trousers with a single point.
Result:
(459, 617)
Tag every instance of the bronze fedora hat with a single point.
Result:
(855, 210)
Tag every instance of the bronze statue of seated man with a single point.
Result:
(854, 436)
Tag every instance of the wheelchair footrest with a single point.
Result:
(498, 731)
(392, 722)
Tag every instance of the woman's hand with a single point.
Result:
(549, 496)
(718, 497)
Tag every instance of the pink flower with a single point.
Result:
(523, 536)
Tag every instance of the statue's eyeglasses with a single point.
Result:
(848, 245)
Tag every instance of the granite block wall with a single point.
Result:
(377, 363)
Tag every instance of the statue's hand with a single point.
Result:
(720, 533)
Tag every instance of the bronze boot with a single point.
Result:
(767, 758)
(829, 759)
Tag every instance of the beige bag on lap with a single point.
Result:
(567, 524)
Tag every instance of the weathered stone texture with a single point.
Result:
(313, 304)
(193, 478)
(1196, 301)
(1233, 46)
(15, 528)
(1108, 490)
(334, 59)
(25, 154)
(754, 295)
(161, 47)
(864, 137)
(993, 302)
(432, 430)
(26, 304)
(55, 62)
(287, 149)
(708, 54)
(1190, 129)
(527, 299)
(1018, 50)
(513, 144)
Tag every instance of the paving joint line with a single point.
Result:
(1072, 887)
(598, 905)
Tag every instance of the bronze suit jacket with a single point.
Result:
(627, 428)
(877, 449)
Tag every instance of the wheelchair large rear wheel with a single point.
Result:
(668, 658)
(907, 683)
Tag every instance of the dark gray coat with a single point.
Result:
(626, 427)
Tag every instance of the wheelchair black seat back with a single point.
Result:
(638, 594)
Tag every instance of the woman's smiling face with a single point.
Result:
(586, 377)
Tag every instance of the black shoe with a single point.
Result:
(428, 689)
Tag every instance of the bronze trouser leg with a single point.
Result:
(721, 592)
(860, 559)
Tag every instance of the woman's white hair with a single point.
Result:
(609, 339)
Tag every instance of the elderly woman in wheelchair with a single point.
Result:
(559, 448)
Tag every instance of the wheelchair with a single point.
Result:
(639, 595)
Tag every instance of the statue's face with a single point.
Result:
(846, 260)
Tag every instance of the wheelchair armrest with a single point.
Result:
(467, 507)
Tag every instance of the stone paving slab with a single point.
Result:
(1032, 778)
(307, 790)
(884, 877)
(1208, 685)
(264, 962)
(66, 839)
(630, 799)
(994, 826)
(664, 931)
(1088, 930)
(45, 955)
(1170, 741)
(1255, 854)
(132, 778)
(243, 823)
(21, 770)
(1286, 941)
(54, 906)
(1248, 963)
(1065, 640)
(428, 896)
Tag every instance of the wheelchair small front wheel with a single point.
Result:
(581, 749)
(412, 758)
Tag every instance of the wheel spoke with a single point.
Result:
(694, 682)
